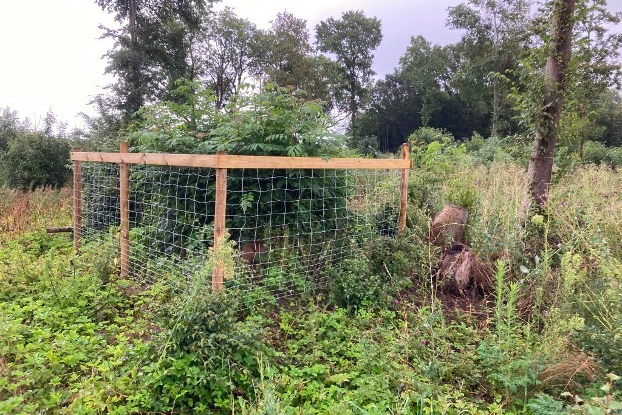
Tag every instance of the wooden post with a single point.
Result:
(77, 202)
(404, 189)
(124, 201)
(220, 212)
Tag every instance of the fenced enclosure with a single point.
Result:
(269, 224)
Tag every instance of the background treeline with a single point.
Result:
(33, 154)
(487, 84)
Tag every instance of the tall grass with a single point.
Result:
(493, 226)
(566, 265)
(492, 193)
(587, 209)
(586, 212)
(22, 212)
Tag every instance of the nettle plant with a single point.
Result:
(273, 122)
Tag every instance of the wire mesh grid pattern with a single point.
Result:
(285, 227)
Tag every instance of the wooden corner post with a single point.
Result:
(77, 202)
(220, 212)
(404, 189)
(124, 201)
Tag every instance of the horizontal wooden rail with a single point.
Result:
(224, 161)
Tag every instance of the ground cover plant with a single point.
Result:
(383, 338)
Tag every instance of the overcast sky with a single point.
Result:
(52, 54)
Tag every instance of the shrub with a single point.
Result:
(598, 153)
(35, 160)
(376, 278)
(427, 135)
(352, 284)
(365, 145)
(275, 122)
(488, 150)
(435, 157)
(398, 260)
(209, 355)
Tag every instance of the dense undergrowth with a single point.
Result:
(77, 339)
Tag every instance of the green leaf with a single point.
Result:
(594, 410)
(615, 405)
(338, 378)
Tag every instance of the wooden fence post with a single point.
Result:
(220, 213)
(404, 189)
(77, 202)
(124, 201)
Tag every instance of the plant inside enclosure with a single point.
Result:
(275, 122)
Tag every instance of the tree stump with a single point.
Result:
(448, 226)
(460, 269)
(465, 271)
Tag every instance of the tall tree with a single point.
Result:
(224, 53)
(392, 115)
(608, 119)
(422, 91)
(287, 58)
(285, 48)
(151, 48)
(102, 129)
(541, 163)
(352, 39)
(595, 63)
(494, 33)
(10, 127)
(426, 67)
(33, 153)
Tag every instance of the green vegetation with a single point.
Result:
(386, 335)
(32, 157)
(273, 122)
(381, 339)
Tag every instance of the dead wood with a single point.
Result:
(461, 270)
(448, 226)
(59, 230)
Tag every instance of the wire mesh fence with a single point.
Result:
(285, 227)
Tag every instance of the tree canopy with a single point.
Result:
(486, 83)
(351, 39)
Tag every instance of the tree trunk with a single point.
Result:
(135, 98)
(353, 106)
(495, 107)
(541, 163)
(133, 35)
